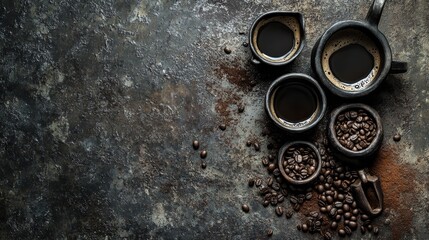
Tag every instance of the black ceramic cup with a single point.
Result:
(295, 102)
(361, 158)
(277, 38)
(335, 54)
(282, 162)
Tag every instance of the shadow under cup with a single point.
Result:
(295, 102)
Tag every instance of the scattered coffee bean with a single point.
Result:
(397, 137)
(203, 165)
(265, 161)
(251, 182)
(240, 108)
(375, 230)
(245, 208)
(222, 127)
(227, 50)
(203, 154)
(279, 211)
(196, 144)
(270, 232)
(341, 232)
(245, 44)
(256, 146)
(258, 182)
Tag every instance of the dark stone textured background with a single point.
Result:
(100, 101)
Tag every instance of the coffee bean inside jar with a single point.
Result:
(299, 162)
(355, 129)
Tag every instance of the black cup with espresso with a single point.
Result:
(277, 38)
(295, 102)
(352, 58)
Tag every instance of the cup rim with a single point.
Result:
(281, 160)
(377, 36)
(320, 95)
(374, 145)
(300, 18)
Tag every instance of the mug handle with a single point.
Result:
(398, 67)
(374, 13)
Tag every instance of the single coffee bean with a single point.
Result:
(245, 208)
(397, 137)
(369, 227)
(256, 146)
(348, 230)
(362, 229)
(352, 225)
(279, 211)
(258, 182)
(375, 230)
(308, 196)
(289, 214)
(265, 161)
(364, 217)
(227, 50)
(203, 165)
(251, 182)
(327, 235)
(298, 227)
(271, 167)
(270, 232)
(203, 154)
(304, 227)
(266, 203)
(334, 225)
(347, 215)
(248, 143)
(341, 232)
(245, 44)
(222, 127)
(240, 108)
(355, 211)
(196, 144)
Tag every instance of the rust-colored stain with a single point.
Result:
(396, 179)
(236, 75)
(225, 105)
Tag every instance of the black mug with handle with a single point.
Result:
(352, 58)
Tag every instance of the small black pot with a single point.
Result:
(281, 160)
(364, 157)
(370, 28)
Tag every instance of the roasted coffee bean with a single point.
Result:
(271, 157)
(362, 229)
(375, 230)
(270, 232)
(227, 50)
(256, 146)
(347, 215)
(352, 225)
(327, 235)
(321, 203)
(203, 165)
(334, 225)
(298, 227)
(308, 196)
(276, 186)
(296, 207)
(341, 232)
(271, 167)
(323, 210)
(353, 218)
(346, 207)
(288, 214)
(338, 217)
(340, 211)
(329, 199)
(266, 203)
(258, 182)
(320, 188)
(240, 108)
(251, 182)
(397, 137)
(265, 161)
(348, 230)
(203, 154)
(245, 208)
(274, 201)
(355, 211)
(270, 181)
(364, 217)
(333, 212)
(222, 127)
(280, 198)
(304, 227)
(248, 143)
(196, 144)
(279, 211)
(338, 204)
(276, 172)
(369, 227)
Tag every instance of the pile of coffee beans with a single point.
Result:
(355, 129)
(336, 212)
(299, 162)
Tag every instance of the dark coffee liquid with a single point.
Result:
(275, 39)
(294, 103)
(351, 63)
